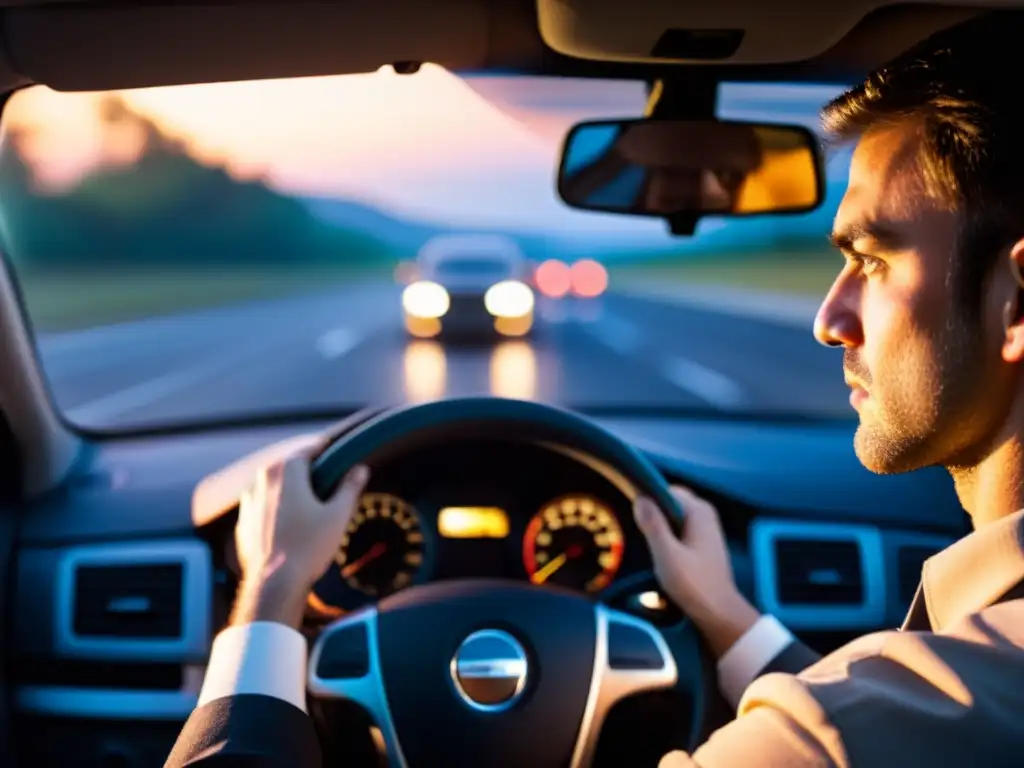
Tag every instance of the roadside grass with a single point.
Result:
(83, 298)
(800, 273)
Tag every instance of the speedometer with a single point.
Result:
(383, 547)
(574, 541)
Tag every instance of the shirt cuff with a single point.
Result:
(748, 656)
(264, 658)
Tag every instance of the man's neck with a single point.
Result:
(994, 488)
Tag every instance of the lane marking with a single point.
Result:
(337, 342)
(144, 393)
(115, 404)
(789, 310)
(621, 335)
(227, 319)
(706, 383)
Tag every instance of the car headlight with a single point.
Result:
(426, 300)
(509, 298)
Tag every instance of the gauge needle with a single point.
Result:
(545, 573)
(375, 551)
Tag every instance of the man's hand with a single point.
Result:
(696, 571)
(286, 538)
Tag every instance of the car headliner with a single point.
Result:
(85, 45)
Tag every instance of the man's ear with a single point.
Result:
(1012, 293)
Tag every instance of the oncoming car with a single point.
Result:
(469, 286)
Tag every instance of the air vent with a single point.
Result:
(145, 601)
(819, 576)
(818, 572)
(129, 601)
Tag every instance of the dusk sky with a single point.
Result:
(432, 146)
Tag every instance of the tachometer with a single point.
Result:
(574, 541)
(382, 549)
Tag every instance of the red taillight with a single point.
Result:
(589, 279)
(553, 278)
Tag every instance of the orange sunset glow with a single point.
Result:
(379, 137)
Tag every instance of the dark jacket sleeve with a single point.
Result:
(247, 730)
(796, 657)
(793, 659)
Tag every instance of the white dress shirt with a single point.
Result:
(270, 659)
(264, 657)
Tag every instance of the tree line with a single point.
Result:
(167, 208)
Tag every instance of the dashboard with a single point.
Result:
(119, 592)
(483, 509)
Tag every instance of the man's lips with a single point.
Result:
(854, 383)
(858, 392)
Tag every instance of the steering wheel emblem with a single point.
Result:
(489, 670)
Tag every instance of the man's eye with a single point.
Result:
(866, 264)
(869, 264)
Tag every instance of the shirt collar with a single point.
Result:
(975, 572)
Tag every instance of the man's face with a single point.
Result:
(670, 190)
(692, 165)
(927, 380)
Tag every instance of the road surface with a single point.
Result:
(347, 348)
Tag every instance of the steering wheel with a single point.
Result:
(496, 672)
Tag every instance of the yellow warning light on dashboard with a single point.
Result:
(473, 523)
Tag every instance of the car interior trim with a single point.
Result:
(192, 644)
(50, 451)
(113, 704)
(871, 611)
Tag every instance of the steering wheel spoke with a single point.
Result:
(345, 664)
(630, 657)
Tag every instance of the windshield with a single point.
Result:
(481, 268)
(213, 252)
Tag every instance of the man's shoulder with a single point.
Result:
(894, 693)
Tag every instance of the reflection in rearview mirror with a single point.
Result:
(690, 167)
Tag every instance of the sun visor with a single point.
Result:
(721, 32)
(84, 47)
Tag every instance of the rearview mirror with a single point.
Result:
(690, 168)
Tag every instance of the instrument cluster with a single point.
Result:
(574, 540)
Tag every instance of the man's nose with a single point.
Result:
(837, 323)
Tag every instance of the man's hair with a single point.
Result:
(961, 87)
